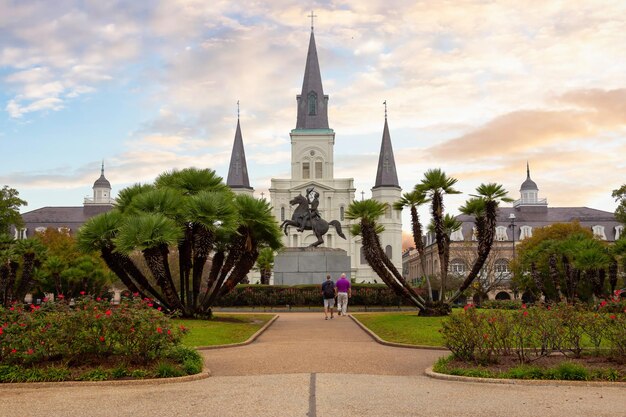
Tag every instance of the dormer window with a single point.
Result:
(525, 231)
(312, 103)
(501, 233)
(598, 231)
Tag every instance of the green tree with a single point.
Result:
(367, 213)
(413, 200)
(435, 185)
(620, 196)
(563, 261)
(10, 204)
(265, 264)
(190, 214)
(18, 267)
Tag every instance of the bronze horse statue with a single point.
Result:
(318, 225)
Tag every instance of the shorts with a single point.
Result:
(329, 302)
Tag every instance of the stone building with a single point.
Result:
(68, 219)
(514, 224)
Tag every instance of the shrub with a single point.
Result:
(501, 304)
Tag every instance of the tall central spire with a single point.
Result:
(312, 103)
(386, 176)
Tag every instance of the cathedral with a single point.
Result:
(312, 166)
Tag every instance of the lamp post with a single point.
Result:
(512, 226)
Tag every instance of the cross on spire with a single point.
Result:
(312, 16)
(385, 103)
(237, 109)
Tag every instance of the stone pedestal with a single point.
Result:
(294, 266)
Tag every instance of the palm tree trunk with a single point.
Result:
(216, 266)
(245, 264)
(157, 261)
(27, 281)
(419, 246)
(202, 246)
(613, 276)
(554, 276)
(184, 264)
(437, 213)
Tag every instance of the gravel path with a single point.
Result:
(306, 366)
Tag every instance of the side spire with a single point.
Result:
(238, 169)
(387, 175)
(312, 103)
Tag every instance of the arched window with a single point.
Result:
(598, 231)
(503, 295)
(389, 251)
(457, 266)
(457, 235)
(282, 214)
(341, 213)
(312, 103)
(363, 260)
(525, 231)
(502, 266)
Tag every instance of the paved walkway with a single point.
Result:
(305, 366)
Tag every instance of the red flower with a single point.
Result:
(82, 293)
(525, 313)
(98, 316)
(12, 308)
(13, 350)
(150, 304)
(549, 308)
(613, 316)
(102, 338)
(524, 305)
(603, 303)
(108, 312)
(98, 299)
(60, 296)
(135, 294)
(45, 299)
(132, 330)
(159, 308)
(29, 352)
(169, 331)
(159, 330)
(1, 331)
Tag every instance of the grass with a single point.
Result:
(406, 328)
(222, 329)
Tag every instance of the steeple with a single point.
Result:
(238, 169)
(312, 103)
(101, 190)
(387, 175)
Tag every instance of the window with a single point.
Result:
(474, 233)
(501, 233)
(341, 213)
(389, 251)
(618, 231)
(457, 235)
(40, 229)
(457, 266)
(318, 169)
(501, 266)
(312, 103)
(598, 231)
(525, 231)
(387, 212)
(363, 260)
(282, 214)
(306, 170)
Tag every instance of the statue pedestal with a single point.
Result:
(294, 266)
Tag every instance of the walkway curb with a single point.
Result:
(393, 344)
(247, 342)
(68, 384)
(535, 382)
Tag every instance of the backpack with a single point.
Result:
(329, 289)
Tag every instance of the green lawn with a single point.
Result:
(222, 329)
(406, 328)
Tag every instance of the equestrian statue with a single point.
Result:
(306, 217)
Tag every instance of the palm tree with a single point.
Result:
(368, 212)
(32, 253)
(450, 225)
(194, 211)
(265, 264)
(435, 185)
(413, 200)
(484, 207)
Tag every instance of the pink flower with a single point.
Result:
(12, 308)
(159, 308)
(82, 293)
(150, 304)
(524, 305)
(29, 352)
(549, 308)
(98, 299)
(60, 296)
(135, 294)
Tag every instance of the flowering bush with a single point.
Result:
(531, 332)
(88, 331)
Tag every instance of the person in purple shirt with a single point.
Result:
(344, 291)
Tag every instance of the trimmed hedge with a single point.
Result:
(306, 295)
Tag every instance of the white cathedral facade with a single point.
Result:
(312, 165)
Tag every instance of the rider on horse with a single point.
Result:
(313, 198)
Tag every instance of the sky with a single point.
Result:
(476, 88)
